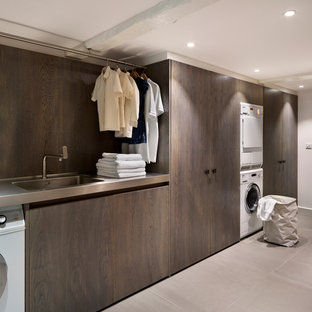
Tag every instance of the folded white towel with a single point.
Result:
(265, 209)
(122, 156)
(117, 170)
(122, 164)
(121, 175)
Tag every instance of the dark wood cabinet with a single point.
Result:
(190, 156)
(225, 216)
(140, 239)
(204, 164)
(70, 256)
(85, 255)
(280, 143)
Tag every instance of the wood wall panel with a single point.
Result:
(45, 104)
(249, 92)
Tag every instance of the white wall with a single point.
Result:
(304, 155)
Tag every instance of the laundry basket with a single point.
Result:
(281, 229)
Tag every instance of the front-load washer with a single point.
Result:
(12, 259)
(251, 190)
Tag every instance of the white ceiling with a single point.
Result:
(238, 35)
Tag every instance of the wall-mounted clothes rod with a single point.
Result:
(69, 50)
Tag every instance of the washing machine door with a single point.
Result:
(3, 275)
(252, 197)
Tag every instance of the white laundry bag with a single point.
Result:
(281, 225)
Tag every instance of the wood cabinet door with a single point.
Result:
(140, 239)
(70, 256)
(280, 143)
(87, 254)
(225, 201)
(290, 143)
(272, 142)
(192, 121)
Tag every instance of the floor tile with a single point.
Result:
(142, 302)
(297, 272)
(275, 294)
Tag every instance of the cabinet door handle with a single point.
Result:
(214, 170)
(280, 161)
(283, 161)
(207, 171)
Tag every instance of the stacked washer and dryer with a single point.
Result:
(251, 160)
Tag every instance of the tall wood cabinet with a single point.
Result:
(204, 164)
(280, 143)
(84, 255)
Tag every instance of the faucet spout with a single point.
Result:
(59, 156)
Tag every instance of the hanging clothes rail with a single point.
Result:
(64, 49)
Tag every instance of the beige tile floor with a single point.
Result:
(251, 276)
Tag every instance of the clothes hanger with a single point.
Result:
(144, 76)
(134, 74)
(104, 68)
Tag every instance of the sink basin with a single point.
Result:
(55, 183)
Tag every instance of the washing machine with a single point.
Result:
(12, 259)
(251, 190)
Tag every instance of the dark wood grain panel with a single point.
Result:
(225, 196)
(140, 239)
(272, 141)
(159, 73)
(249, 92)
(280, 143)
(84, 255)
(192, 122)
(45, 103)
(290, 143)
(70, 256)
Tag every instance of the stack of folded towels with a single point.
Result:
(121, 165)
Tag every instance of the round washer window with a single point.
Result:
(252, 197)
(3, 275)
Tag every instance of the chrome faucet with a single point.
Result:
(60, 157)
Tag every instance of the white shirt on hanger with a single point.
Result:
(127, 92)
(131, 109)
(106, 92)
(156, 109)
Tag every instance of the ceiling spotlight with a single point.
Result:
(301, 86)
(257, 70)
(190, 45)
(290, 13)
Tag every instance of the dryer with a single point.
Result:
(251, 134)
(251, 190)
(12, 259)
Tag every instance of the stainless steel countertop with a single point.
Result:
(11, 194)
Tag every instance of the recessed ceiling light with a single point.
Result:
(257, 70)
(301, 86)
(290, 13)
(190, 45)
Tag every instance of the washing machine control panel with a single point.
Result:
(251, 176)
(11, 218)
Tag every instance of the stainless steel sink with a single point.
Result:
(55, 183)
